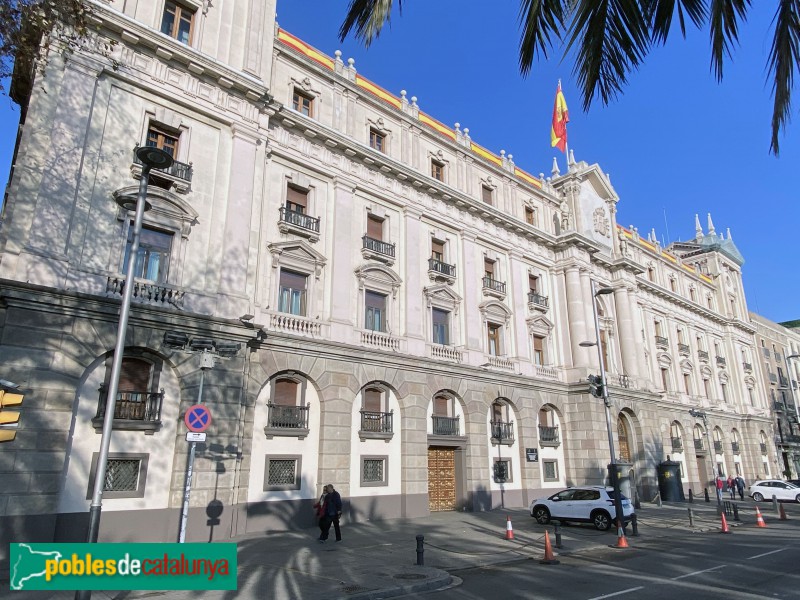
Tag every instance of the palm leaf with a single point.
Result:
(783, 61)
(659, 14)
(541, 21)
(724, 22)
(368, 18)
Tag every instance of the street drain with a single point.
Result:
(410, 576)
(354, 589)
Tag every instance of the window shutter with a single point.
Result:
(297, 196)
(375, 228)
(134, 375)
(372, 400)
(285, 392)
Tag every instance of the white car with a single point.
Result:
(591, 504)
(765, 489)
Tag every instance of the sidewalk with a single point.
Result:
(378, 559)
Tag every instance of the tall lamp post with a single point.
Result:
(699, 414)
(151, 158)
(612, 467)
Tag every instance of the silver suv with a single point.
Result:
(590, 504)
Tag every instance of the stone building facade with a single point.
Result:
(409, 306)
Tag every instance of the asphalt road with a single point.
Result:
(750, 563)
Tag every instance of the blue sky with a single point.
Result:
(675, 142)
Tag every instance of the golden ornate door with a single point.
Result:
(441, 479)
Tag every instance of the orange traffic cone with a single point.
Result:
(725, 528)
(509, 528)
(759, 519)
(782, 513)
(549, 558)
(622, 541)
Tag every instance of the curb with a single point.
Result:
(440, 580)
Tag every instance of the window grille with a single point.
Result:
(122, 475)
(373, 470)
(282, 471)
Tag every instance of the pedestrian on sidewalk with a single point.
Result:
(319, 507)
(740, 486)
(719, 485)
(731, 487)
(333, 512)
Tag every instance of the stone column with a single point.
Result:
(473, 297)
(627, 334)
(341, 265)
(577, 316)
(415, 248)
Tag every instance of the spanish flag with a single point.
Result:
(558, 130)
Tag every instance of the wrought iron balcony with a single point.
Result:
(783, 382)
(140, 411)
(748, 368)
(178, 170)
(702, 355)
(537, 300)
(735, 447)
(773, 378)
(717, 446)
(441, 270)
(549, 436)
(493, 286)
(300, 220)
(148, 292)
(779, 406)
(766, 352)
(662, 342)
(378, 246)
(287, 421)
(376, 425)
(677, 444)
(792, 439)
(502, 432)
(698, 445)
(446, 425)
(683, 349)
(721, 362)
(763, 448)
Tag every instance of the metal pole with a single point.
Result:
(96, 507)
(607, 402)
(711, 451)
(187, 487)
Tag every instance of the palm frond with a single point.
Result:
(368, 18)
(724, 22)
(784, 57)
(659, 14)
(541, 21)
(614, 39)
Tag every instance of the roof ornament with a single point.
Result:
(711, 230)
(571, 160)
(730, 239)
(555, 170)
(698, 229)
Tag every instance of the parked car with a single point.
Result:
(794, 482)
(766, 488)
(591, 504)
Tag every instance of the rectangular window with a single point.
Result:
(160, 138)
(437, 170)
(373, 400)
(126, 475)
(176, 22)
(375, 317)
(530, 216)
(550, 470)
(377, 141)
(282, 473)
(502, 470)
(486, 194)
(538, 350)
(285, 392)
(302, 103)
(441, 406)
(441, 328)
(488, 268)
(687, 386)
(659, 331)
(292, 294)
(152, 258)
(664, 380)
(296, 200)
(374, 471)
(707, 388)
(493, 337)
(724, 387)
(533, 284)
(375, 227)
(437, 250)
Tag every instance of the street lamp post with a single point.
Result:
(702, 415)
(612, 467)
(151, 158)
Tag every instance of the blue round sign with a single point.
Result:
(197, 418)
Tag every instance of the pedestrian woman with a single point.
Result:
(731, 487)
(320, 509)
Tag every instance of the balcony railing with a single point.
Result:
(773, 378)
(677, 444)
(763, 448)
(288, 418)
(766, 352)
(147, 291)
(698, 445)
(702, 355)
(446, 353)
(662, 342)
(378, 246)
(299, 219)
(748, 368)
(549, 436)
(792, 439)
(735, 447)
(178, 169)
(446, 425)
(683, 349)
(783, 381)
(717, 446)
(378, 339)
(494, 285)
(780, 406)
(443, 268)
(538, 300)
(132, 410)
(502, 431)
(721, 362)
(376, 422)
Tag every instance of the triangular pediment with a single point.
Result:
(442, 291)
(298, 250)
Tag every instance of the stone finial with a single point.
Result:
(729, 234)
(466, 133)
(414, 101)
(571, 160)
(457, 127)
(698, 229)
(711, 230)
(555, 170)
(338, 55)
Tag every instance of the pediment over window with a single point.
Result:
(750, 382)
(687, 366)
(297, 253)
(540, 324)
(663, 359)
(494, 310)
(705, 372)
(378, 276)
(441, 293)
(165, 206)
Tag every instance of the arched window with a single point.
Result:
(624, 439)
(287, 413)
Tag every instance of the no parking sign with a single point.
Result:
(197, 418)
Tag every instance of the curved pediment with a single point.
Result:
(377, 272)
(495, 308)
(441, 291)
(162, 202)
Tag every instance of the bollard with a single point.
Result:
(558, 534)
(736, 512)
(659, 501)
(691, 496)
(420, 550)
(705, 491)
(775, 503)
(637, 504)
(634, 525)
(691, 518)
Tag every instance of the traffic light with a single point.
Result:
(9, 418)
(595, 385)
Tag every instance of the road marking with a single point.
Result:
(641, 587)
(697, 572)
(766, 554)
